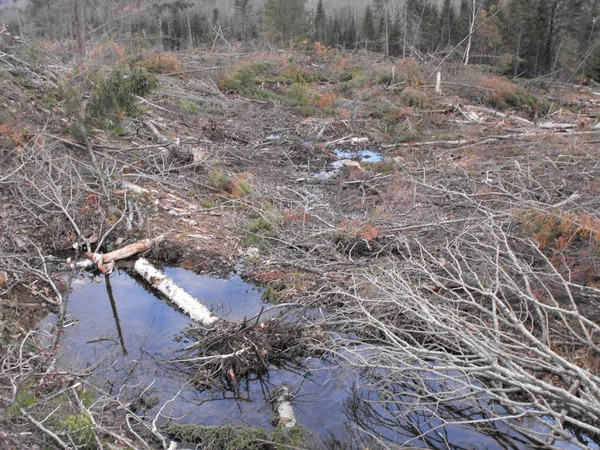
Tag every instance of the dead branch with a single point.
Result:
(105, 262)
(44, 430)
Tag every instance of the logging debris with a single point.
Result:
(190, 305)
(233, 352)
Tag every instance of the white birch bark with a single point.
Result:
(190, 305)
(284, 407)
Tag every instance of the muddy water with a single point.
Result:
(130, 336)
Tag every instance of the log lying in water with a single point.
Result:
(285, 413)
(190, 305)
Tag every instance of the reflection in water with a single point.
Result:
(113, 306)
(344, 155)
(394, 418)
(441, 410)
(127, 312)
(132, 337)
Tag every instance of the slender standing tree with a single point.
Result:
(285, 19)
(350, 36)
(447, 23)
(382, 15)
(473, 10)
(320, 23)
(368, 29)
(80, 27)
(241, 18)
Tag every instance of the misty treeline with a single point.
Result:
(516, 37)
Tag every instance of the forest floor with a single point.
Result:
(328, 174)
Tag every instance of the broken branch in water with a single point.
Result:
(285, 412)
(190, 305)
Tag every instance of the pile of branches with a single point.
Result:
(48, 406)
(224, 357)
(479, 306)
(494, 307)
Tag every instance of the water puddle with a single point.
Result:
(359, 155)
(134, 336)
(344, 155)
(131, 337)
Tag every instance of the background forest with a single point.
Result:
(515, 37)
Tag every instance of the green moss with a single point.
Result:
(221, 438)
(244, 188)
(385, 77)
(379, 109)
(218, 179)
(24, 399)
(258, 230)
(87, 398)
(404, 131)
(47, 99)
(297, 76)
(295, 437)
(246, 81)
(413, 98)
(262, 228)
(208, 203)
(383, 167)
(69, 96)
(270, 295)
(517, 98)
(345, 76)
(237, 438)
(79, 131)
(298, 95)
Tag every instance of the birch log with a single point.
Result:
(106, 262)
(283, 406)
(190, 305)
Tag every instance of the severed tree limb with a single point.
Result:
(190, 305)
(44, 430)
(159, 137)
(283, 407)
(105, 262)
(460, 142)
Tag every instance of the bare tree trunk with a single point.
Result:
(80, 27)
(518, 50)
(474, 13)
(160, 31)
(405, 31)
(386, 47)
(189, 25)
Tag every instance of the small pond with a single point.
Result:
(343, 155)
(117, 324)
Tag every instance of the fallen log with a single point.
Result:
(285, 413)
(555, 125)
(190, 305)
(106, 262)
